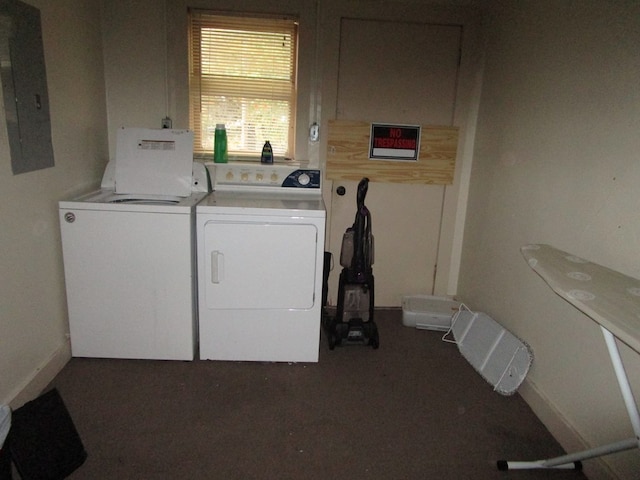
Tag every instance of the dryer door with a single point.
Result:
(259, 264)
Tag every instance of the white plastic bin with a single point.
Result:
(428, 312)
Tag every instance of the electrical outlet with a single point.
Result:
(166, 122)
(314, 132)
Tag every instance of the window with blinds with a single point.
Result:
(243, 74)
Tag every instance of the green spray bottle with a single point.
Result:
(220, 144)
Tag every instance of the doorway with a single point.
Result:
(401, 73)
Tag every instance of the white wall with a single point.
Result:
(146, 60)
(557, 161)
(33, 318)
(135, 59)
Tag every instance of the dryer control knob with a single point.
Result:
(304, 179)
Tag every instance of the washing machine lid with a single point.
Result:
(154, 162)
(108, 200)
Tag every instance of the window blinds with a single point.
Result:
(243, 74)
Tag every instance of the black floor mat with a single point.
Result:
(5, 463)
(43, 440)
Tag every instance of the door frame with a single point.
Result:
(465, 114)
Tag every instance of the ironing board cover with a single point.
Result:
(608, 297)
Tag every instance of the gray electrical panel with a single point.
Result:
(24, 87)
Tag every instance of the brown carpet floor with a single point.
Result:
(413, 409)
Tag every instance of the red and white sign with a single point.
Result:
(394, 142)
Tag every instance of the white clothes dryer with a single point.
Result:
(129, 257)
(260, 238)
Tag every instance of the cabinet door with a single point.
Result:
(259, 265)
(24, 86)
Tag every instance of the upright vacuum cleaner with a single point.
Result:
(353, 323)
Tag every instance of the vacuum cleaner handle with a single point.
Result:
(360, 263)
(363, 186)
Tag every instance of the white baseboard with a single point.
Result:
(563, 432)
(33, 386)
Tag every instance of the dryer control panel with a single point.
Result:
(260, 177)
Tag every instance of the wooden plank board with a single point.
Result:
(348, 156)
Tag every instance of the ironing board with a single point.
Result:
(613, 301)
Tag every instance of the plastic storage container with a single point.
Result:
(428, 312)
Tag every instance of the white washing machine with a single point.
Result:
(260, 238)
(129, 251)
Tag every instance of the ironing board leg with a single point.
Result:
(623, 381)
(573, 461)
